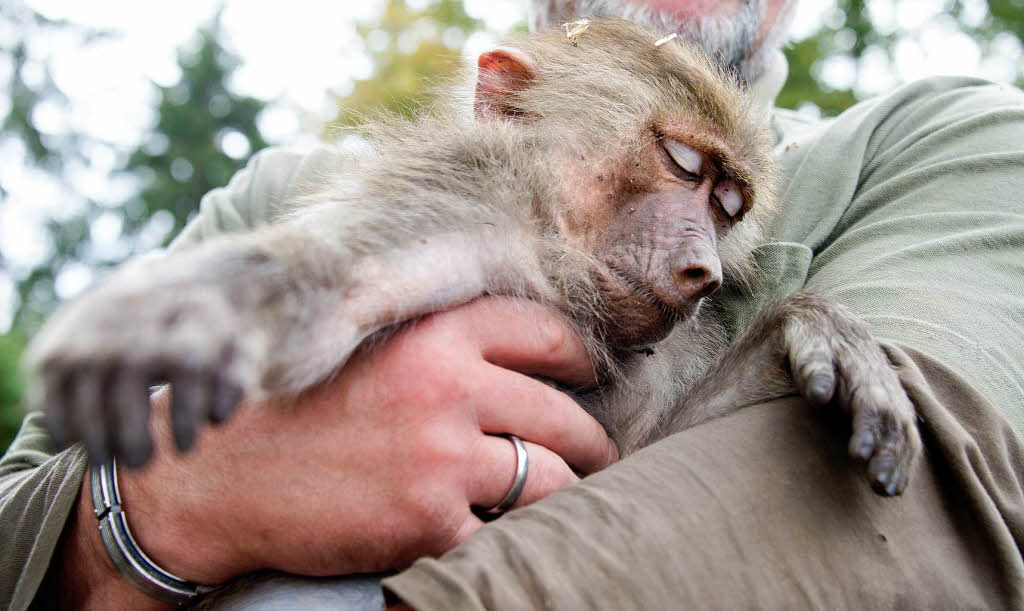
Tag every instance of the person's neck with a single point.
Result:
(765, 89)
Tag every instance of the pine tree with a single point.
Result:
(203, 135)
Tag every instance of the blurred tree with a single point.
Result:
(411, 48)
(203, 134)
(859, 38)
(30, 89)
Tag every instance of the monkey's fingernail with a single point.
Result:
(893, 486)
(184, 439)
(862, 445)
(226, 398)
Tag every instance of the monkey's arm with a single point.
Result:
(267, 313)
(809, 345)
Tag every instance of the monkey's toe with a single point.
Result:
(884, 474)
(87, 413)
(890, 449)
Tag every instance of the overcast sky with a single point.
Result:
(295, 53)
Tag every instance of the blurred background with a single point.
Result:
(117, 115)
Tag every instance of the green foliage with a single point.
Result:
(410, 49)
(11, 345)
(184, 157)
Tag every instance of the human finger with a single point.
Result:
(493, 472)
(508, 402)
(524, 336)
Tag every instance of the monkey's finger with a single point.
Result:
(129, 396)
(508, 402)
(879, 438)
(551, 349)
(891, 466)
(56, 409)
(493, 469)
(811, 362)
(87, 394)
(189, 398)
(865, 437)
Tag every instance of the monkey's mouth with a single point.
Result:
(637, 315)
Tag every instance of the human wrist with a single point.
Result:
(85, 576)
(172, 520)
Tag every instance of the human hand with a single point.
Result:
(380, 465)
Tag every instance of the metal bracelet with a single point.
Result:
(124, 552)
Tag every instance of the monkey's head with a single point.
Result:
(658, 155)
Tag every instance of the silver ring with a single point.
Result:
(519, 481)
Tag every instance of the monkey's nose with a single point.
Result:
(697, 271)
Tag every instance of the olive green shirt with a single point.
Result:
(908, 208)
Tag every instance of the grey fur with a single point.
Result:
(447, 209)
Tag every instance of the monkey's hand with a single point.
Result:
(833, 358)
(92, 365)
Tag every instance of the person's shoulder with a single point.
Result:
(258, 193)
(950, 115)
(934, 103)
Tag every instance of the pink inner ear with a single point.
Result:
(502, 72)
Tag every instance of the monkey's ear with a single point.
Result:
(502, 72)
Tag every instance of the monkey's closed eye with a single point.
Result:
(689, 159)
(729, 196)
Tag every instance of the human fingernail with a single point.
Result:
(613, 452)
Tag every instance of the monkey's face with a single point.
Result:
(655, 152)
(654, 218)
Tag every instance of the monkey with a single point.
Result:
(611, 175)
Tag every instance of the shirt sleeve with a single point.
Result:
(39, 486)
(258, 193)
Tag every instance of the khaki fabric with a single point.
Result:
(909, 210)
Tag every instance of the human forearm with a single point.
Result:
(161, 513)
(385, 460)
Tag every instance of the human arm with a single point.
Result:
(33, 518)
(389, 476)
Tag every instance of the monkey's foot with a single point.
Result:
(92, 366)
(835, 359)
